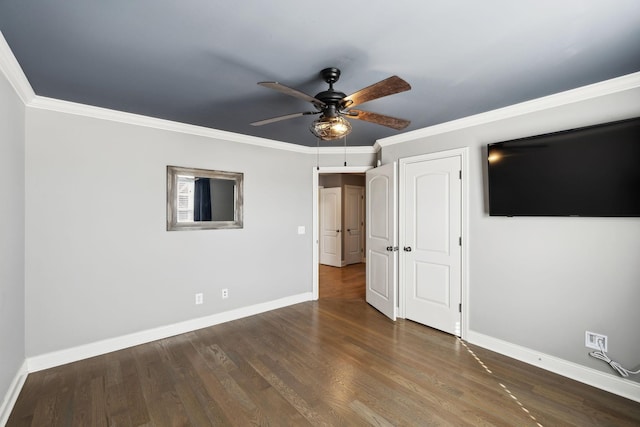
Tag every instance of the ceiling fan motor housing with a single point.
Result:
(331, 98)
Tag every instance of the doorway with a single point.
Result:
(350, 180)
(341, 214)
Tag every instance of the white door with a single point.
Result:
(331, 226)
(431, 242)
(353, 223)
(382, 264)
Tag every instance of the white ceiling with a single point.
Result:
(198, 61)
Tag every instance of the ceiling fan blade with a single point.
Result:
(292, 92)
(380, 119)
(280, 118)
(389, 86)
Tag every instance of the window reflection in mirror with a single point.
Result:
(203, 199)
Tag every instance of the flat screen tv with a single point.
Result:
(592, 171)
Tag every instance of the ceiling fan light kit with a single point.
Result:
(330, 128)
(333, 106)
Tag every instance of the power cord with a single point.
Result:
(615, 365)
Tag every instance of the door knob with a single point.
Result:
(407, 248)
(337, 231)
(390, 248)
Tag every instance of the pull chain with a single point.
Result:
(345, 150)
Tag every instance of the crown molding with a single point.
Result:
(584, 93)
(13, 72)
(363, 149)
(73, 108)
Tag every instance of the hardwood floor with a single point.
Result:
(343, 283)
(331, 362)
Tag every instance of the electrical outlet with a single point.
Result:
(199, 298)
(225, 293)
(593, 340)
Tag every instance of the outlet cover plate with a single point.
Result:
(591, 340)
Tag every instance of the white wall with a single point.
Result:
(99, 261)
(541, 282)
(12, 305)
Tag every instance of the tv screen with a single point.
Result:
(592, 171)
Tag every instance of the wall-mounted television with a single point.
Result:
(592, 171)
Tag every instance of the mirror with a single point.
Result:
(200, 199)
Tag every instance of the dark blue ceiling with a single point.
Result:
(198, 61)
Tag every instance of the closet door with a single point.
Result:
(431, 257)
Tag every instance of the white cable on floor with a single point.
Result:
(615, 365)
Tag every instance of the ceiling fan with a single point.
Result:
(333, 106)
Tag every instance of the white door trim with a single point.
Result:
(314, 184)
(464, 270)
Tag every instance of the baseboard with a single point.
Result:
(61, 357)
(12, 394)
(608, 382)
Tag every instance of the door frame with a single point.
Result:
(315, 287)
(464, 267)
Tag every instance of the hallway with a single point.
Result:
(347, 283)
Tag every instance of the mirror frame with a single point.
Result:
(172, 199)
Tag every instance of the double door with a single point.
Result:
(424, 250)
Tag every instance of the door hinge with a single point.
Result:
(460, 241)
(460, 174)
(460, 308)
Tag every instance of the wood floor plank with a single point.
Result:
(191, 389)
(117, 407)
(228, 402)
(137, 408)
(332, 362)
